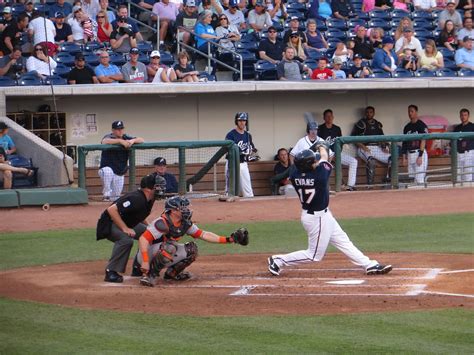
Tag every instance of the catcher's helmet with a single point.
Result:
(179, 203)
(311, 126)
(304, 160)
(241, 116)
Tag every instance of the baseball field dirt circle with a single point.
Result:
(241, 284)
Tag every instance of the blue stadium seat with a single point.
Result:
(70, 47)
(117, 59)
(297, 6)
(145, 46)
(383, 14)
(62, 70)
(41, 7)
(247, 45)
(350, 33)
(421, 14)
(422, 73)
(399, 14)
(394, 23)
(145, 59)
(436, 34)
(379, 22)
(248, 61)
(447, 54)
(29, 80)
(295, 13)
(91, 59)
(316, 55)
(449, 63)
(203, 75)
(335, 34)
(166, 58)
(311, 63)
(93, 46)
(352, 23)
(357, 7)
(402, 73)
(321, 24)
(423, 24)
(335, 23)
(465, 73)
(445, 72)
(65, 58)
(378, 73)
(423, 33)
(363, 16)
(7, 81)
(55, 80)
(17, 9)
(435, 14)
(278, 26)
(265, 70)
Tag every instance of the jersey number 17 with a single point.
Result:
(302, 193)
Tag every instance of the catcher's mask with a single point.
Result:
(179, 203)
(156, 183)
(304, 160)
(241, 116)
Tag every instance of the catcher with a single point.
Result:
(159, 248)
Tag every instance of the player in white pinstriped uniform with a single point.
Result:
(369, 126)
(113, 163)
(307, 141)
(329, 132)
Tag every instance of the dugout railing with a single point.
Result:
(453, 137)
(225, 149)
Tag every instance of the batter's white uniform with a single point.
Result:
(245, 182)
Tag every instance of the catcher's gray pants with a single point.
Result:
(122, 246)
(153, 249)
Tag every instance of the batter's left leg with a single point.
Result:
(245, 181)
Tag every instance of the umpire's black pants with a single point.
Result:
(123, 245)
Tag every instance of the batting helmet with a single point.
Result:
(241, 116)
(304, 160)
(179, 203)
(311, 126)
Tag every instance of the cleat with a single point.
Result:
(378, 269)
(351, 188)
(113, 276)
(180, 277)
(273, 267)
(136, 269)
(148, 281)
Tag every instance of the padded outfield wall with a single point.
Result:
(183, 112)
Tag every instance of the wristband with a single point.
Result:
(420, 153)
(223, 240)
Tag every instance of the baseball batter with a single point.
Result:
(310, 176)
(240, 136)
(369, 126)
(307, 141)
(159, 246)
(329, 132)
(465, 148)
(415, 150)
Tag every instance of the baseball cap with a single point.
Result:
(148, 182)
(155, 54)
(159, 161)
(467, 38)
(79, 56)
(3, 125)
(357, 56)
(7, 10)
(407, 29)
(29, 2)
(261, 3)
(337, 60)
(59, 14)
(233, 3)
(294, 33)
(76, 8)
(134, 50)
(387, 40)
(450, 2)
(312, 126)
(272, 28)
(190, 3)
(118, 125)
(293, 18)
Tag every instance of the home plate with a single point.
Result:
(346, 282)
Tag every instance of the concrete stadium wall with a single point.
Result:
(276, 111)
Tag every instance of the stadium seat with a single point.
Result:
(435, 14)
(145, 46)
(91, 59)
(311, 63)
(335, 23)
(70, 47)
(248, 60)
(17, 9)
(423, 24)
(62, 70)
(41, 7)
(265, 70)
(316, 55)
(55, 80)
(423, 33)
(363, 16)
(145, 58)
(394, 23)
(295, 13)
(278, 26)
(321, 24)
(465, 73)
(7, 81)
(357, 7)
(399, 14)
(379, 22)
(382, 14)
(65, 58)
(446, 53)
(93, 46)
(166, 58)
(402, 73)
(421, 14)
(436, 34)
(117, 59)
(350, 33)
(445, 72)
(378, 73)
(205, 76)
(29, 80)
(251, 46)
(449, 63)
(297, 6)
(335, 34)
(422, 73)
(352, 23)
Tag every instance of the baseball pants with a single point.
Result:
(112, 183)
(122, 246)
(417, 171)
(466, 166)
(351, 162)
(154, 249)
(322, 229)
(376, 152)
(245, 182)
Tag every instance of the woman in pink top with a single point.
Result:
(368, 5)
(401, 5)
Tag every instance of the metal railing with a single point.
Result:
(453, 137)
(210, 57)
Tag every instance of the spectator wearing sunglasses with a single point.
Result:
(40, 62)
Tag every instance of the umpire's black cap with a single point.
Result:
(148, 182)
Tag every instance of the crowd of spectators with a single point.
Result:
(327, 37)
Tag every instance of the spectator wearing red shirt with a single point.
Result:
(322, 72)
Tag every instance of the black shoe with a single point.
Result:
(136, 269)
(379, 269)
(273, 267)
(350, 188)
(113, 276)
(180, 277)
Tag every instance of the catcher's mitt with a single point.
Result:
(241, 236)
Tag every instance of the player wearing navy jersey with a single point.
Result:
(114, 163)
(309, 177)
(369, 126)
(465, 148)
(240, 136)
(415, 150)
(329, 132)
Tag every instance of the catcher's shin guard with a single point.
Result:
(175, 272)
(370, 170)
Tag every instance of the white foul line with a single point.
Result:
(456, 271)
(415, 290)
(447, 294)
(243, 291)
(432, 273)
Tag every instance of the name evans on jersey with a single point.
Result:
(304, 182)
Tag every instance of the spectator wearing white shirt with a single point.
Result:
(42, 31)
(40, 62)
(235, 15)
(408, 41)
(259, 18)
(426, 5)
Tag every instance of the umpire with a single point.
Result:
(125, 220)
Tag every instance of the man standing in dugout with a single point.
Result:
(125, 220)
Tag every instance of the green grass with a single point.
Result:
(27, 327)
(33, 328)
(437, 234)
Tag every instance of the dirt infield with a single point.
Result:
(241, 284)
